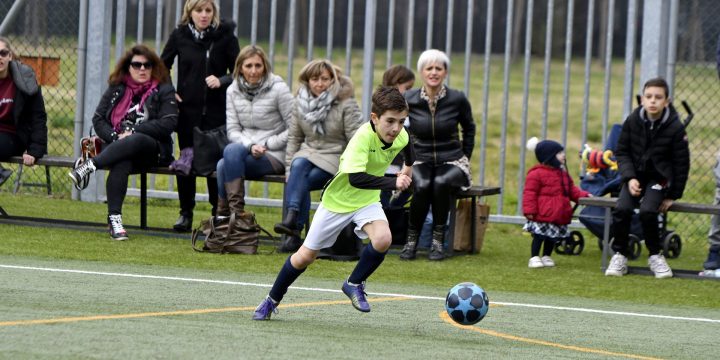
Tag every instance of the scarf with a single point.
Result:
(432, 103)
(199, 34)
(250, 91)
(315, 109)
(132, 89)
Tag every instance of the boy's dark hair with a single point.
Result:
(387, 98)
(657, 82)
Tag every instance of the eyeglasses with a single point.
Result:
(4, 53)
(137, 65)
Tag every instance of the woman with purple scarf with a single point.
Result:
(135, 118)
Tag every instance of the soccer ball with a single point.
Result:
(467, 303)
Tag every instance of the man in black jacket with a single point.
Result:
(654, 162)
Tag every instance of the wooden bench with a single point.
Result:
(69, 162)
(609, 203)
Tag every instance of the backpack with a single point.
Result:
(237, 234)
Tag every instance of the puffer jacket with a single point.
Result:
(29, 110)
(435, 138)
(324, 151)
(262, 119)
(162, 111)
(667, 149)
(547, 195)
(197, 59)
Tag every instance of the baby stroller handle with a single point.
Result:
(690, 115)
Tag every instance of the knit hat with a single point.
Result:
(545, 151)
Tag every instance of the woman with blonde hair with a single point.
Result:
(259, 111)
(206, 48)
(326, 116)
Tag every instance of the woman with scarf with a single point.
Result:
(259, 111)
(135, 118)
(206, 49)
(325, 118)
(443, 134)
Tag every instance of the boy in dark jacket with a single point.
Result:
(654, 161)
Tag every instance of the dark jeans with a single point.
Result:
(237, 162)
(122, 157)
(649, 201)
(10, 145)
(304, 177)
(434, 185)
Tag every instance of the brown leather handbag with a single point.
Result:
(237, 234)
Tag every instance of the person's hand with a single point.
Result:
(212, 82)
(402, 182)
(124, 134)
(530, 217)
(178, 98)
(406, 170)
(257, 151)
(665, 205)
(28, 160)
(634, 187)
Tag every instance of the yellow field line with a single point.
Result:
(448, 320)
(179, 312)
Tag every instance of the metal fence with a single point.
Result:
(559, 69)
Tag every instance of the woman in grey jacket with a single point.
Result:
(325, 118)
(258, 111)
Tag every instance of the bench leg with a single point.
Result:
(48, 182)
(606, 239)
(473, 224)
(143, 200)
(451, 228)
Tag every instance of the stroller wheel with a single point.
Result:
(576, 243)
(672, 245)
(635, 246)
(561, 247)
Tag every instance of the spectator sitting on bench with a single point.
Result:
(325, 118)
(654, 162)
(136, 116)
(23, 121)
(443, 133)
(259, 110)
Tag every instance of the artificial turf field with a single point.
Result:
(71, 309)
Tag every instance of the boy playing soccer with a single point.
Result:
(353, 195)
(654, 162)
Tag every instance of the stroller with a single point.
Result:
(607, 180)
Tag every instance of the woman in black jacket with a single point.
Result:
(443, 132)
(23, 121)
(136, 117)
(206, 49)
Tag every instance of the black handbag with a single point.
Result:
(208, 149)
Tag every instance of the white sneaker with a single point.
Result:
(618, 266)
(659, 266)
(535, 262)
(547, 261)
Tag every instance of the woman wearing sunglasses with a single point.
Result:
(135, 118)
(23, 121)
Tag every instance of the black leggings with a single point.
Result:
(436, 186)
(122, 157)
(538, 241)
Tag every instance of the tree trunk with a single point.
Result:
(518, 21)
(602, 25)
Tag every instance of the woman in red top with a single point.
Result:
(546, 200)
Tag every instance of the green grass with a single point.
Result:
(502, 265)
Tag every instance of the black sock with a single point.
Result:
(536, 244)
(549, 246)
(287, 275)
(369, 261)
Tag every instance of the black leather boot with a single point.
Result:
(290, 244)
(437, 252)
(410, 249)
(713, 259)
(183, 223)
(289, 224)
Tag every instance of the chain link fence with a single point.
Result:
(44, 35)
(696, 81)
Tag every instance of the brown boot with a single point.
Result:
(223, 208)
(235, 195)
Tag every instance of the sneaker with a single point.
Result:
(117, 231)
(547, 261)
(535, 262)
(618, 266)
(356, 293)
(659, 266)
(266, 308)
(4, 175)
(81, 174)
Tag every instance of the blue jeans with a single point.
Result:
(237, 162)
(304, 177)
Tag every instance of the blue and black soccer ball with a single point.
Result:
(467, 303)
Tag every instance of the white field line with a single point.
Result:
(420, 297)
